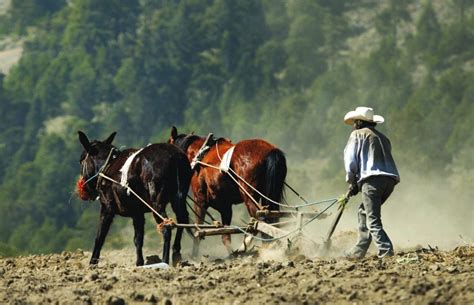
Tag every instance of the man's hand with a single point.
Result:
(353, 190)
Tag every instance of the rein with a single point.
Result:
(105, 166)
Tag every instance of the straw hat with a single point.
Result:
(364, 114)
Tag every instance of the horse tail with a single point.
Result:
(275, 174)
(183, 179)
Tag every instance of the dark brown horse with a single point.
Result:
(257, 162)
(158, 173)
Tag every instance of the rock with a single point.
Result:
(291, 264)
(352, 296)
(258, 275)
(435, 267)
(93, 276)
(421, 288)
(137, 296)
(300, 258)
(263, 265)
(350, 267)
(277, 267)
(106, 286)
(85, 298)
(185, 264)
(452, 269)
(113, 300)
(150, 298)
(80, 292)
(152, 259)
(167, 302)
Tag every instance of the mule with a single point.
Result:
(256, 161)
(159, 173)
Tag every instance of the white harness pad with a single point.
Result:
(225, 162)
(126, 167)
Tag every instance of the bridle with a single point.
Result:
(98, 169)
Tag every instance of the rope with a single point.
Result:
(291, 232)
(102, 167)
(135, 194)
(245, 191)
(296, 193)
(202, 219)
(295, 207)
(207, 212)
(201, 151)
(168, 221)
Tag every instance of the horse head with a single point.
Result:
(183, 141)
(92, 159)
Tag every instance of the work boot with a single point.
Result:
(351, 255)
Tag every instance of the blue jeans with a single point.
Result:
(375, 191)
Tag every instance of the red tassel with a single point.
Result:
(81, 192)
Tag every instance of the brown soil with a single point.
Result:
(422, 276)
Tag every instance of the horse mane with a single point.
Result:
(186, 141)
(222, 139)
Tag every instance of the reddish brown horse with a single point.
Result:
(159, 173)
(257, 162)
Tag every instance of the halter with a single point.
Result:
(112, 154)
(106, 165)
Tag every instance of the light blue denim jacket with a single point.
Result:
(368, 153)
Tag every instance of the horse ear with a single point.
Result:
(84, 141)
(174, 133)
(110, 139)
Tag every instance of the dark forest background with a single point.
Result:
(286, 71)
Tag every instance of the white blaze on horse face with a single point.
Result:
(126, 167)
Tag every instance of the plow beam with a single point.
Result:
(217, 231)
(276, 214)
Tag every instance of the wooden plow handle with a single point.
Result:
(335, 221)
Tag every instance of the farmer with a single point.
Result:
(370, 168)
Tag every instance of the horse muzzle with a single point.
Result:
(83, 190)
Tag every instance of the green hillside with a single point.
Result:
(286, 71)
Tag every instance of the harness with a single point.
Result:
(208, 142)
(125, 168)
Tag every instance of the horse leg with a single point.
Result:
(165, 229)
(179, 207)
(104, 226)
(138, 225)
(200, 215)
(166, 243)
(226, 216)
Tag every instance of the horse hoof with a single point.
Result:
(94, 261)
(139, 263)
(176, 259)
